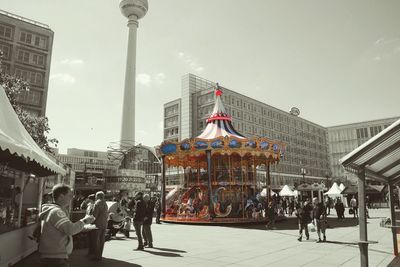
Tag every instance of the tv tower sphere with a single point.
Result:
(136, 8)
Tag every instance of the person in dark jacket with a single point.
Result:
(319, 217)
(138, 218)
(158, 210)
(304, 219)
(148, 218)
(100, 212)
(339, 209)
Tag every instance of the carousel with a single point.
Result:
(219, 173)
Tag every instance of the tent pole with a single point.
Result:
(393, 219)
(362, 220)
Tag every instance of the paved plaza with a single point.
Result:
(192, 245)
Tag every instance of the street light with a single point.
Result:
(303, 172)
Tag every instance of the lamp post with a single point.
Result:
(303, 172)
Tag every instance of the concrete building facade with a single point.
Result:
(306, 142)
(89, 167)
(27, 48)
(345, 138)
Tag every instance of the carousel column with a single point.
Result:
(210, 204)
(163, 187)
(268, 182)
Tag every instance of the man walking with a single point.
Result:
(138, 208)
(148, 218)
(319, 217)
(100, 212)
(304, 219)
(57, 230)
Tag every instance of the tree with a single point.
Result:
(37, 127)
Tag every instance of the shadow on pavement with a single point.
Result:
(78, 258)
(170, 250)
(163, 254)
(291, 223)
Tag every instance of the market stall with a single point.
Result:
(22, 168)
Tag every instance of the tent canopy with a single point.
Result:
(379, 156)
(17, 148)
(264, 192)
(286, 192)
(342, 187)
(334, 190)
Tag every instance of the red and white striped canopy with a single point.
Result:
(219, 123)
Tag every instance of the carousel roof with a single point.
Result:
(219, 123)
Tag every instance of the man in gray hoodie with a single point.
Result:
(57, 229)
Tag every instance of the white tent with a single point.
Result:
(17, 148)
(342, 187)
(334, 191)
(264, 192)
(286, 192)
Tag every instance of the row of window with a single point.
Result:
(26, 37)
(32, 77)
(173, 121)
(171, 132)
(33, 39)
(170, 111)
(31, 58)
(30, 97)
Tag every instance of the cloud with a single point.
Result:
(63, 77)
(144, 79)
(190, 61)
(71, 62)
(160, 78)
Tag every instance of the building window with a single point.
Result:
(5, 31)
(362, 133)
(6, 51)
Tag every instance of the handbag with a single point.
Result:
(311, 227)
(351, 211)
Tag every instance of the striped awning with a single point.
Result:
(219, 123)
(379, 156)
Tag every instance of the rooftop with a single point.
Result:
(34, 22)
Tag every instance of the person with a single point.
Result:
(89, 211)
(339, 209)
(354, 206)
(271, 215)
(148, 219)
(100, 212)
(319, 217)
(57, 230)
(303, 219)
(291, 207)
(158, 210)
(328, 205)
(284, 206)
(137, 206)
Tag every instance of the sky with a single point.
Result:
(337, 61)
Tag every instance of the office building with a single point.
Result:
(343, 139)
(27, 47)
